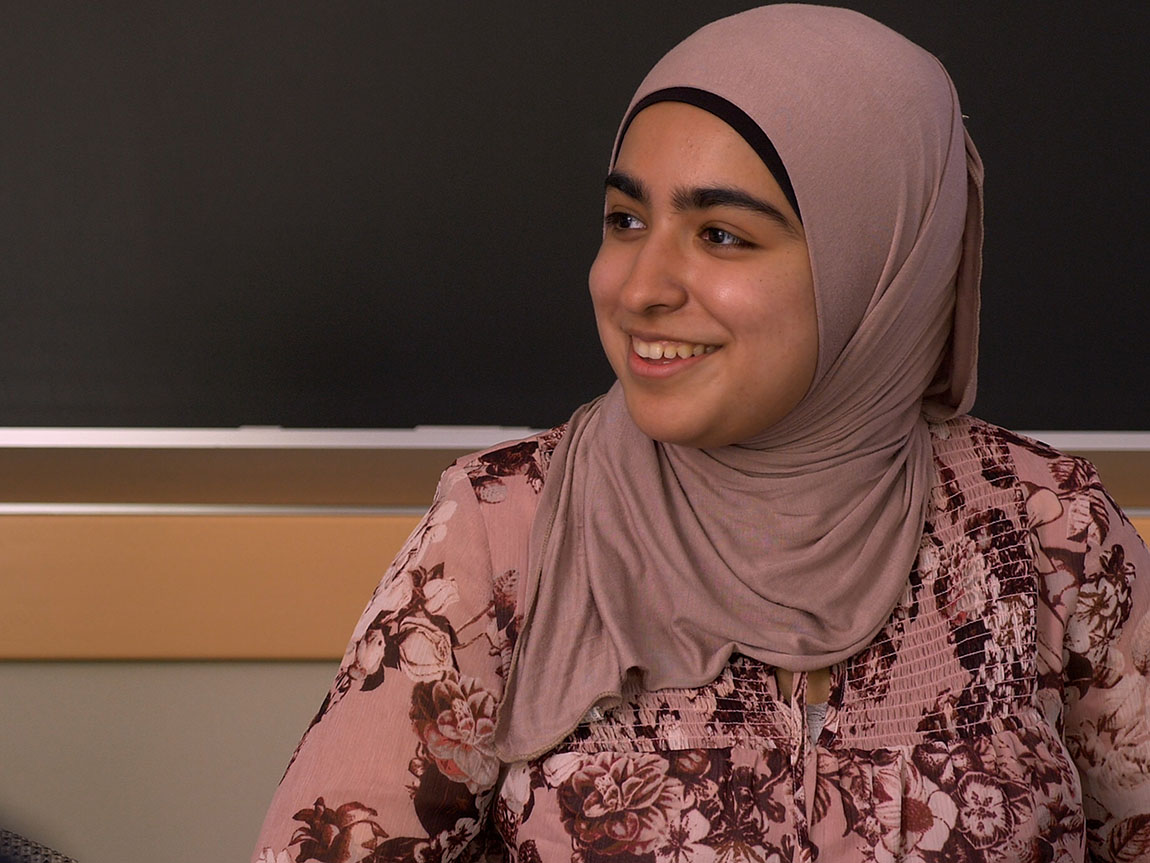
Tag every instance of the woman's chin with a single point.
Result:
(675, 428)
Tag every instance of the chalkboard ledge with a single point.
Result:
(268, 469)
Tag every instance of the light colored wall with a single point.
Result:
(149, 762)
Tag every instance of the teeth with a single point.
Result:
(669, 350)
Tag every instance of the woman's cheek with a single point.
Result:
(599, 278)
(603, 300)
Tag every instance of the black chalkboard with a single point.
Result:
(315, 214)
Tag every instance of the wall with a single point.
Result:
(135, 762)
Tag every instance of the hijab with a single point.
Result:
(651, 563)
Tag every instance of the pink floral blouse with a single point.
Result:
(1002, 714)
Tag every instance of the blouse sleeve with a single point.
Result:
(398, 763)
(1098, 585)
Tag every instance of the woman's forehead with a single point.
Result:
(670, 146)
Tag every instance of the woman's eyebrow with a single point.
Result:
(702, 198)
(630, 186)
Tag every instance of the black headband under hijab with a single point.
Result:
(733, 116)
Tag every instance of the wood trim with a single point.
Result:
(315, 476)
(1126, 475)
(193, 587)
(271, 477)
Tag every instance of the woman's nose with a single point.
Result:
(657, 278)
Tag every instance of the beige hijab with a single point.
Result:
(655, 562)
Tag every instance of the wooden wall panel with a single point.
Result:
(189, 587)
(193, 587)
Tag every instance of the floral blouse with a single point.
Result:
(1002, 713)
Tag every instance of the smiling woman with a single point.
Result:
(774, 596)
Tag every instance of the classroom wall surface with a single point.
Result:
(141, 762)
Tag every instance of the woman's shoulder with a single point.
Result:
(1005, 456)
(512, 468)
(1058, 497)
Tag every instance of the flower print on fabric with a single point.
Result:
(455, 720)
(989, 810)
(741, 814)
(915, 816)
(409, 632)
(431, 530)
(1103, 607)
(351, 833)
(505, 620)
(490, 470)
(1001, 714)
(1112, 745)
(618, 807)
(347, 833)
(685, 841)
(1129, 841)
(516, 800)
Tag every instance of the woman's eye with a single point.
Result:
(622, 222)
(719, 237)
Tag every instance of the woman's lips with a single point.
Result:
(660, 358)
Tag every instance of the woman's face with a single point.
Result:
(702, 288)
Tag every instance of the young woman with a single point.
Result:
(775, 596)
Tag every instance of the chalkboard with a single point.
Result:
(312, 214)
